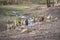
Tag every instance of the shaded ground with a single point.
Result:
(40, 31)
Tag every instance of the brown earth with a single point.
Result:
(40, 31)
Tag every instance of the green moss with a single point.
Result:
(18, 19)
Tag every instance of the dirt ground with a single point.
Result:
(40, 31)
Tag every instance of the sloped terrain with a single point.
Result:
(40, 31)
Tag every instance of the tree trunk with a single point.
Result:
(48, 3)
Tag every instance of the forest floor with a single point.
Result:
(40, 31)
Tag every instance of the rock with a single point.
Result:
(19, 29)
(24, 30)
(17, 23)
(48, 18)
(10, 24)
(56, 18)
(24, 22)
(38, 19)
(41, 19)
